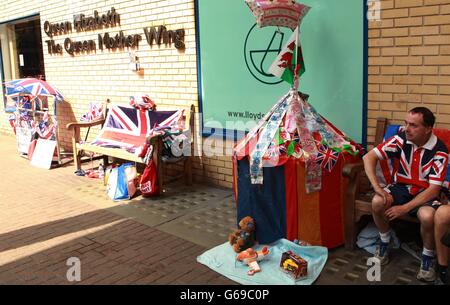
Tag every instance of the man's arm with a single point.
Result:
(370, 162)
(429, 194)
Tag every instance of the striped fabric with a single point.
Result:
(282, 208)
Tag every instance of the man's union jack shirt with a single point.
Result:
(416, 167)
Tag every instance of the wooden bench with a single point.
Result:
(358, 197)
(78, 146)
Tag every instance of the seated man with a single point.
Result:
(417, 182)
(442, 237)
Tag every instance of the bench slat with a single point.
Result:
(113, 152)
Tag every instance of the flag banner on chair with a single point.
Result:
(127, 127)
(95, 112)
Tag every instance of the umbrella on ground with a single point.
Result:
(32, 86)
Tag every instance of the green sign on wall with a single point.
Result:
(235, 55)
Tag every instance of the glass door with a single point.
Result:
(21, 53)
(29, 55)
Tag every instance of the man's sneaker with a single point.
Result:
(382, 253)
(427, 272)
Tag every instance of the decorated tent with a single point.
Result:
(287, 170)
(296, 189)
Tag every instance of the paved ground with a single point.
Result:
(49, 216)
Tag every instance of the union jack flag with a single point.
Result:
(326, 157)
(127, 127)
(33, 86)
(95, 112)
(44, 128)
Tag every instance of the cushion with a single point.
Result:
(443, 135)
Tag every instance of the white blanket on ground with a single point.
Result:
(222, 259)
(369, 237)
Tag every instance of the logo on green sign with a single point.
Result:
(261, 47)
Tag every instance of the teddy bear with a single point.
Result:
(243, 238)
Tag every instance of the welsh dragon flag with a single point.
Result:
(290, 60)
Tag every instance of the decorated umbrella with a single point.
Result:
(32, 86)
(29, 91)
(284, 13)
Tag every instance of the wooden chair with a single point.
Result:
(160, 162)
(106, 152)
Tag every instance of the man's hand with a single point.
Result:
(370, 163)
(395, 212)
(387, 198)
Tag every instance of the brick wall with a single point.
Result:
(169, 76)
(409, 61)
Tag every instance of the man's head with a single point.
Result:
(419, 124)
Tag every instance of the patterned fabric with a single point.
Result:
(326, 157)
(43, 127)
(46, 129)
(95, 112)
(313, 176)
(33, 86)
(327, 133)
(243, 147)
(142, 102)
(296, 134)
(285, 13)
(264, 141)
(127, 127)
(418, 166)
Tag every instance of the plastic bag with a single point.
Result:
(120, 185)
(149, 182)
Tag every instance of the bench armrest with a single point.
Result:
(353, 172)
(84, 124)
